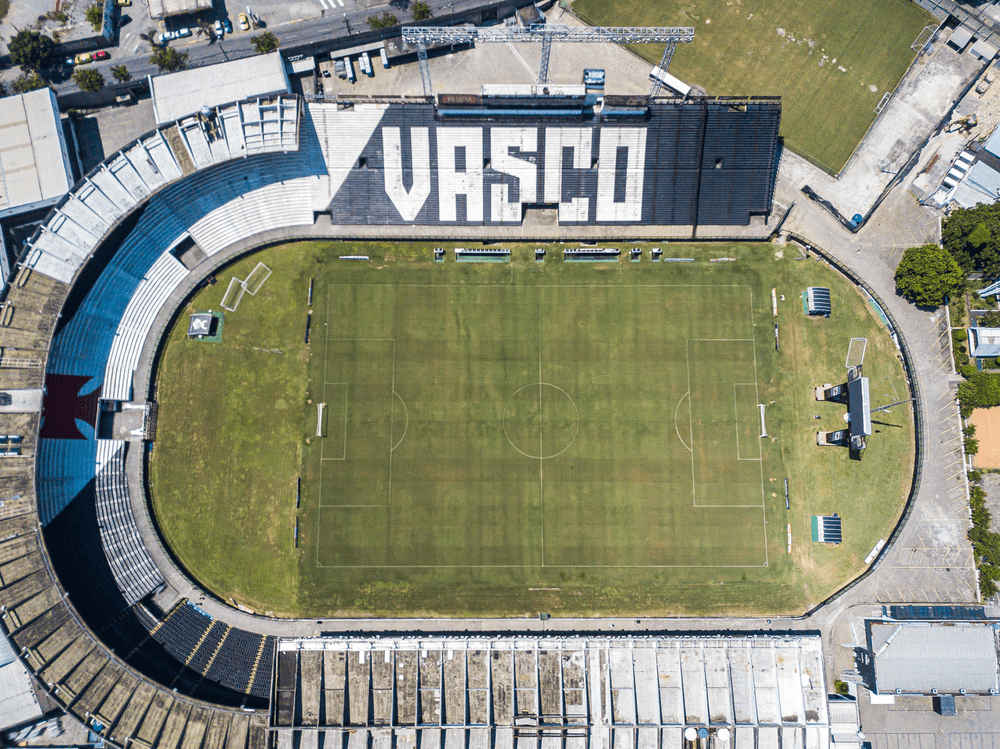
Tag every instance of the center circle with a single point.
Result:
(541, 420)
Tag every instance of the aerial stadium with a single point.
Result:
(430, 358)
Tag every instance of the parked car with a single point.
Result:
(244, 22)
(219, 31)
(82, 59)
(101, 55)
(183, 32)
(124, 3)
(227, 25)
(70, 61)
(167, 36)
(326, 72)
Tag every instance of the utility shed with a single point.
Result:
(176, 95)
(35, 170)
(960, 37)
(929, 657)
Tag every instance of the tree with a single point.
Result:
(120, 72)
(95, 15)
(421, 11)
(990, 320)
(972, 236)
(32, 50)
(88, 80)
(264, 43)
(27, 82)
(386, 21)
(927, 274)
(168, 59)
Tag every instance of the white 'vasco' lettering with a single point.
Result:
(508, 148)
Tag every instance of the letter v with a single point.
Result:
(407, 203)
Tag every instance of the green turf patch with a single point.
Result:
(510, 439)
(830, 61)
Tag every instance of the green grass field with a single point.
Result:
(831, 61)
(505, 439)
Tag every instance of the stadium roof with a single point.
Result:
(919, 657)
(167, 8)
(34, 163)
(176, 95)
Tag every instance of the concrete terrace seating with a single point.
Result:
(82, 219)
(95, 651)
(137, 319)
(270, 207)
(134, 570)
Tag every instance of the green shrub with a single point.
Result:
(967, 370)
(971, 446)
(95, 15)
(959, 334)
(975, 476)
(985, 544)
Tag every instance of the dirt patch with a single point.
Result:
(987, 423)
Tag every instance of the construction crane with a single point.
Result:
(421, 36)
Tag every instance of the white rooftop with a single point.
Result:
(176, 95)
(918, 657)
(17, 700)
(34, 164)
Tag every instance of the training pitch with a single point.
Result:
(512, 438)
(832, 62)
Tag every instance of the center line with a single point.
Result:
(541, 452)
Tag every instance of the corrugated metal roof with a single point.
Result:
(33, 160)
(992, 143)
(984, 342)
(176, 95)
(920, 657)
(980, 185)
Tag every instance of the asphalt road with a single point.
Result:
(334, 30)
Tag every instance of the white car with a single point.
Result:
(182, 32)
(219, 31)
(168, 36)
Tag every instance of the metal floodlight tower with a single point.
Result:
(421, 36)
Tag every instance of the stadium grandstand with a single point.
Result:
(80, 597)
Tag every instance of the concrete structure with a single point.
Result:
(35, 170)
(933, 657)
(18, 703)
(507, 691)
(177, 95)
(168, 8)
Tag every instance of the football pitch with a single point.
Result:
(522, 426)
(513, 438)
